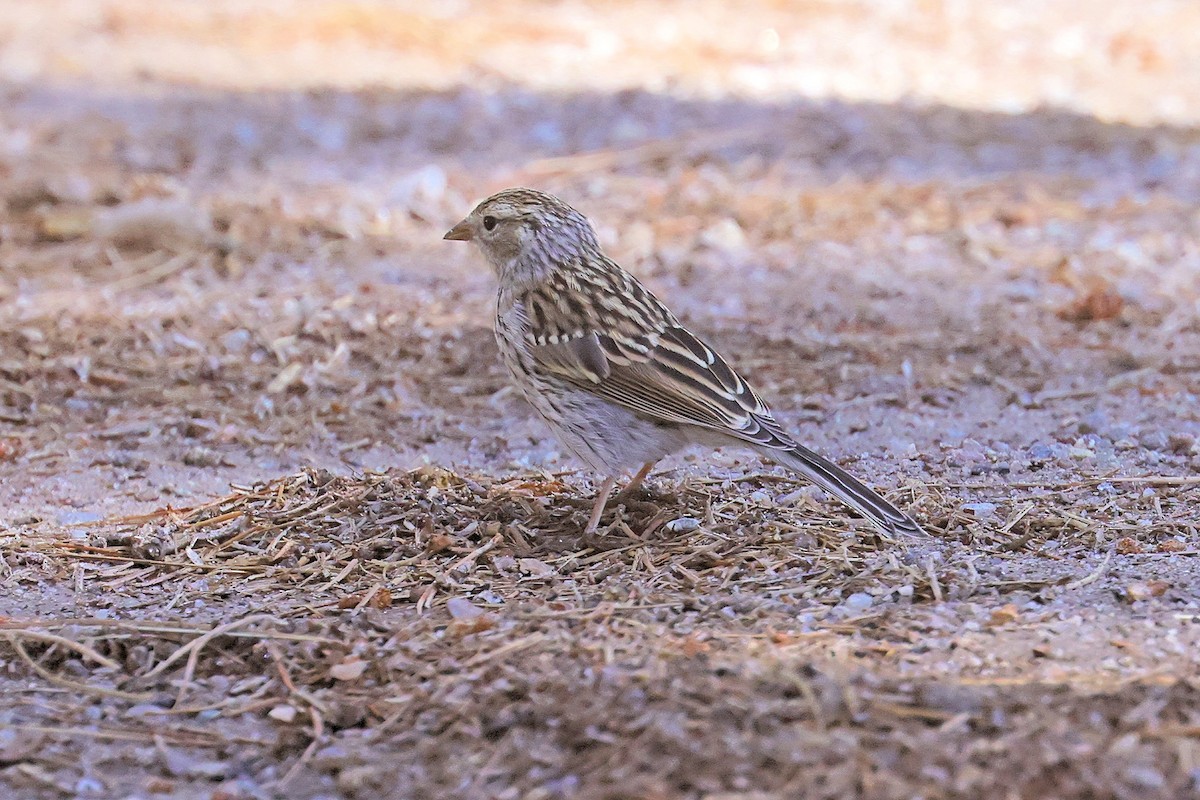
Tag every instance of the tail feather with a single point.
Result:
(845, 487)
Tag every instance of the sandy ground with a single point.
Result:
(273, 525)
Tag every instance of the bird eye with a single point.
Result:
(489, 223)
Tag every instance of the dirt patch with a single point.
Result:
(273, 524)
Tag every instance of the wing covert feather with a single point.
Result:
(648, 364)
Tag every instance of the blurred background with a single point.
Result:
(907, 220)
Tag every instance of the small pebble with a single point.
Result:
(535, 567)
(859, 601)
(981, 510)
(683, 525)
(284, 713)
(1145, 777)
(1153, 440)
(791, 498)
(77, 517)
(726, 236)
(87, 785)
(236, 340)
(761, 498)
(348, 670)
(462, 608)
(1040, 454)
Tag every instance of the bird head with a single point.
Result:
(526, 234)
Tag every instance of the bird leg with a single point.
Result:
(606, 489)
(637, 479)
(601, 500)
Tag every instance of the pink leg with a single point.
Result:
(598, 509)
(637, 479)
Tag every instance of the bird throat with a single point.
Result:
(526, 270)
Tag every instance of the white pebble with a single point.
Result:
(462, 608)
(683, 525)
(859, 601)
(726, 236)
(981, 510)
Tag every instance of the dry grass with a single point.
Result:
(272, 525)
(392, 593)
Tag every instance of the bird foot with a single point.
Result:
(645, 491)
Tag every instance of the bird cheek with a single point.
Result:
(506, 247)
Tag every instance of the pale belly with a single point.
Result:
(608, 438)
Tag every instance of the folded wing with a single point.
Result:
(644, 360)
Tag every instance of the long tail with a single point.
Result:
(845, 487)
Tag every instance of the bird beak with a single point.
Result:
(459, 233)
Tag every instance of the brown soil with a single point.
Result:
(273, 525)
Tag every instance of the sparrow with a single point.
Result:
(613, 372)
